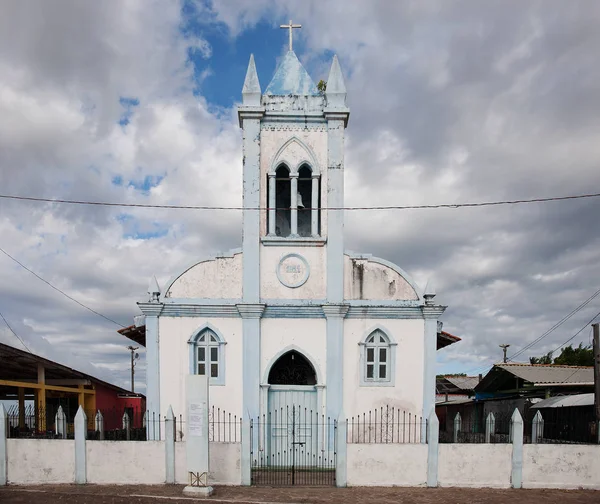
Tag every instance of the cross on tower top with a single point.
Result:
(290, 27)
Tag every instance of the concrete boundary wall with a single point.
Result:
(561, 466)
(225, 467)
(125, 462)
(387, 464)
(37, 461)
(475, 465)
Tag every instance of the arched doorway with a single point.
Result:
(292, 368)
(294, 427)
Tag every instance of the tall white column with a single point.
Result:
(272, 203)
(294, 204)
(314, 204)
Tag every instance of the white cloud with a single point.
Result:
(466, 101)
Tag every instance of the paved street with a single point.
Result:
(143, 494)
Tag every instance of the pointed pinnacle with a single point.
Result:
(251, 90)
(335, 81)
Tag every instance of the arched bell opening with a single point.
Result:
(282, 201)
(292, 368)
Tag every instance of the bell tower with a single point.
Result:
(293, 222)
(293, 140)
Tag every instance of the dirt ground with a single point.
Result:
(172, 494)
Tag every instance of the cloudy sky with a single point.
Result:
(455, 101)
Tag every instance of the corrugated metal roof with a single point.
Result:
(551, 374)
(565, 401)
(463, 382)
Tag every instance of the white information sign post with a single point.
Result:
(197, 436)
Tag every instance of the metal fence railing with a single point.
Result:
(552, 426)
(562, 426)
(385, 425)
(496, 428)
(223, 427)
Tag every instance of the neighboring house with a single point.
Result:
(510, 386)
(291, 321)
(454, 395)
(454, 388)
(36, 387)
(569, 418)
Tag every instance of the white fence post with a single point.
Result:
(490, 427)
(433, 438)
(537, 428)
(246, 460)
(170, 446)
(99, 425)
(341, 466)
(457, 426)
(3, 454)
(516, 476)
(60, 422)
(80, 450)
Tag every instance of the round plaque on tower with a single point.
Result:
(293, 270)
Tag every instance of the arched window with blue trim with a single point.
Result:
(378, 359)
(207, 349)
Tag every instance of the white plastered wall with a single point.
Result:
(308, 335)
(174, 333)
(475, 465)
(314, 288)
(387, 464)
(35, 461)
(225, 464)
(217, 278)
(270, 143)
(126, 462)
(561, 466)
(407, 394)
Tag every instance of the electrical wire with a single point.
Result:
(365, 208)
(16, 335)
(577, 333)
(486, 368)
(58, 290)
(555, 326)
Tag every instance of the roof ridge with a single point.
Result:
(543, 365)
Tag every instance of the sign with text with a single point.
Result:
(197, 423)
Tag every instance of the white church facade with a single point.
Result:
(292, 319)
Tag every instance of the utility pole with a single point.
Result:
(504, 347)
(596, 348)
(134, 356)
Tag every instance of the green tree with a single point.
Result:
(578, 356)
(546, 359)
(322, 86)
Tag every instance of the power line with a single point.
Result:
(577, 333)
(16, 335)
(537, 340)
(58, 290)
(391, 207)
(555, 326)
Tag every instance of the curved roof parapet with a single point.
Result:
(394, 267)
(229, 254)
